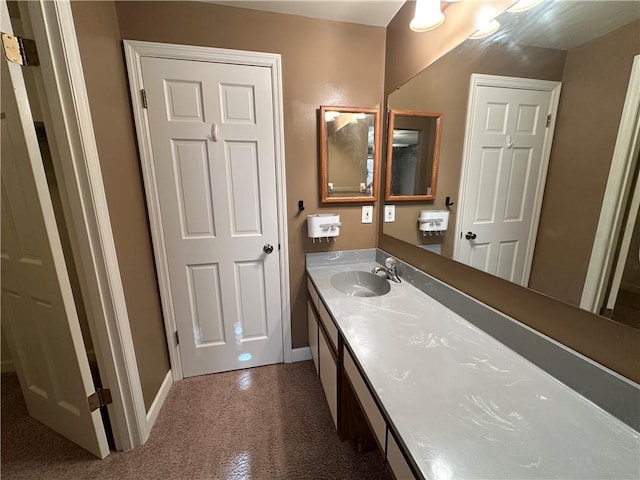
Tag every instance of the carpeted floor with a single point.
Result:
(264, 423)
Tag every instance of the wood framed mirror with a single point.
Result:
(349, 154)
(413, 151)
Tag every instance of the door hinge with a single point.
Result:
(144, 98)
(100, 398)
(20, 50)
(549, 120)
(177, 338)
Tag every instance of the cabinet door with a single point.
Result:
(397, 462)
(368, 404)
(329, 377)
(312, 326)
(329, 326)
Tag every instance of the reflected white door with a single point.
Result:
(505, 171)
(212, 139)
(38, 312)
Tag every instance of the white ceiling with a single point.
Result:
(367, 12)
(561, 24)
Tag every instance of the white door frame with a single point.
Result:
(480, 80)
(618, 189)
(78, 170)
(134, 51)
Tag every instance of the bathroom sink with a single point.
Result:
(360, 284)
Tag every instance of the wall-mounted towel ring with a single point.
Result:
(215, 132)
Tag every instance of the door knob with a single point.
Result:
(268, 248)
(470, 236)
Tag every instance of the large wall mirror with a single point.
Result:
(348, 154)
(413, 147)
(586, 47)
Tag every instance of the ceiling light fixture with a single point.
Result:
(427, 17)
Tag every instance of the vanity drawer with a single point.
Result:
(313, 294)
(399, 466)
(368, 404)
(329, 326)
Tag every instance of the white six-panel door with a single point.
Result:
(38, 311)
(504, 178)
(212, 140)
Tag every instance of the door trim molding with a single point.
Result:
(90, 232)
(617, 191)
(479, 80)
(134, 51)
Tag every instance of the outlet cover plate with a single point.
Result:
(389, 213)
(367, 213)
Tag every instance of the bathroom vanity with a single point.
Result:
(444, 399)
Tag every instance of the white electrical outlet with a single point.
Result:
(389, 213)
(367, 214)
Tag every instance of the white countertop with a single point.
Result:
(464, 404)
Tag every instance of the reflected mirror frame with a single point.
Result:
(436, 154)
(324, 171)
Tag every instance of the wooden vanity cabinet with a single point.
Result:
(376, 426)
(367, 404)
(323, 342)
(355, 413)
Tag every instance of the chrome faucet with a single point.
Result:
(390, 269)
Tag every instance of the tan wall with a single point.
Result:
(425, 92)
(584, 140)
(569, 325)
(324, 63)
(100, 49)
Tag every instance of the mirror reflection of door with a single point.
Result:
(508, 137)
(623, 299)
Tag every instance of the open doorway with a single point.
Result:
(44, 316)
(623, 296)
(613, 275)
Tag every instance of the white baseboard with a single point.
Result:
(300, 354)
(155, 407)
(7, 366)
